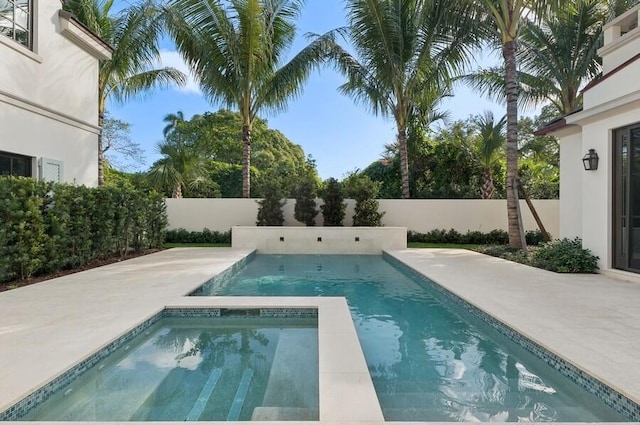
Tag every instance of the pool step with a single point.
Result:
(241, 394)
(204, 396)
(284, 414)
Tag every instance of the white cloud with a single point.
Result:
(173, 59)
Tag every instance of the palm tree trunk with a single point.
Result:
(100, 151)
(487, 189)
(404, 162)
(513, 212)
(246, 161)
(177, 191)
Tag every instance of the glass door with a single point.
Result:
(627, 199)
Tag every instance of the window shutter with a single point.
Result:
(51, 170)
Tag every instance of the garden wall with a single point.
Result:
(420, 215)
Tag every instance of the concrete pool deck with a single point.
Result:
(593, 321)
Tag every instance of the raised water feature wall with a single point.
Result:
(319, 240)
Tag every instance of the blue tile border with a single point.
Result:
(40, 395)
(612, 398)
(214, 282)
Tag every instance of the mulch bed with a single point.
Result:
(5, 286)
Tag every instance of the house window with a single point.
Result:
(15, 165)
(16, 21)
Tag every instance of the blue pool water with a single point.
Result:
(185, 369)
(429, 360)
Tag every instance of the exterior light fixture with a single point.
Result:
(590, 160)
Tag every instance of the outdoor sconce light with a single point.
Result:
(590, 160)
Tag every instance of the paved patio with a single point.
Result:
(591, 320)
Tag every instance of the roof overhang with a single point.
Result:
(83, 37)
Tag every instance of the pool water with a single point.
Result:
(213, 369)
(428, 359)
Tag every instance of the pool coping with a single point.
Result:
(175, 286)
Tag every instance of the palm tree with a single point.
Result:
(237, 49)
(181, 166)
(174, 121)
(506, 17)
(558, 56)
(490, 142)
(133, 34)
(407, 53)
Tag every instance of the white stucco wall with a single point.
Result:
(622, 84)
(421, 215)
(319, 240)
(597, 186)
(571, 172)
(49, 98)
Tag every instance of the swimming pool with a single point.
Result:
(429, 360)
(238, 367)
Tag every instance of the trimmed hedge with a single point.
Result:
(206, 236)
(48, 227)
(474, 237)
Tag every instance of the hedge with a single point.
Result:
(47, 227)
(452, 236)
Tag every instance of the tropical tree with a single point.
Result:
(490, 142)
(406, 54)
(133, 34)
(237, 50)
(557, 57)
(506, 17)
(174, 121)
(181, 166)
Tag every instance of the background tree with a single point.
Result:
(117, 147)
(489, 148)
(133, 33)
(406, 54)
(181, 167)
(274, 157)
(237, 50)
(334, 206)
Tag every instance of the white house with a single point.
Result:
(602, 206)
(48, 93)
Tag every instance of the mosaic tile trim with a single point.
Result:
(608, 395)
(34, 399)
(265, 312)
(22, 407)
(218, 279)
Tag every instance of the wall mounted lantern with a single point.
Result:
(590, 160)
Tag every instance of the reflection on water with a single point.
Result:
(192, 369)
(427, 362)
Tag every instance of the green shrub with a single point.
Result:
(334, 206)
(305, 210)
(48, 227)
(452, 236)
(365, 191)
(205, 236)
(565, 256)
(270, 210)
(534, 237)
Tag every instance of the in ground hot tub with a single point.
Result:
(193, 365)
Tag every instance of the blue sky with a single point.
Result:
(340, 135)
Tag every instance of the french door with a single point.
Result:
(626, 166)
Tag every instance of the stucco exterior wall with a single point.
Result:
(620, 85)
(571, 172)
(421, 215)
(597, 186)
(49, 98)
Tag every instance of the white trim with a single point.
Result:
(620, 42)
(611, 106)
(47, 112)
(622, 18)
(5, 41)
(78, 35)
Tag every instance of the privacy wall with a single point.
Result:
(420, 215)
